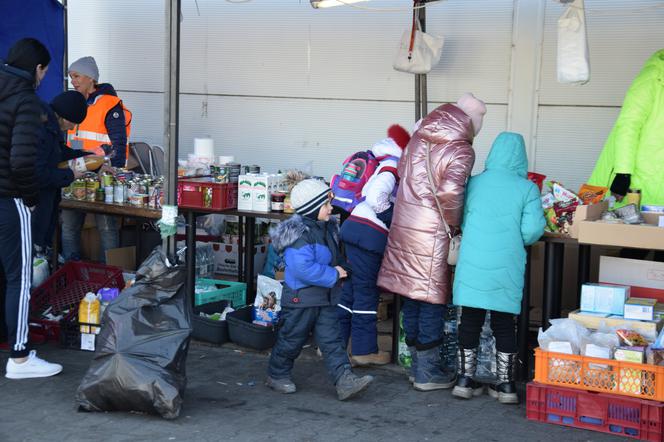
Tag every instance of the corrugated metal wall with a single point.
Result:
(280, 84)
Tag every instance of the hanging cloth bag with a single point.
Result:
(573, 56)
(418, 51)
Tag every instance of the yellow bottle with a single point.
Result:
(83, 164)
(89, 312)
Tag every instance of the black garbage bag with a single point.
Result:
(139, 364)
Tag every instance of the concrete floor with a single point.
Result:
(226, 400)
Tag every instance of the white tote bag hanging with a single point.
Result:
(573, 58)
(418, 51)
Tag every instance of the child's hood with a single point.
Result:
(508, 153)
(286, 233)
(386, 147)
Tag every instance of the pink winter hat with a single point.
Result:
(474, 108)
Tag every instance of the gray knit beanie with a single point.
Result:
(308, 196)
(86, 66)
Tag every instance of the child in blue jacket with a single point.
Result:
(503, 214)
(313, 275)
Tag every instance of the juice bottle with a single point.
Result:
(83, 164)
(89, 312)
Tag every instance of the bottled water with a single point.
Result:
(448, 350)
(486, 357)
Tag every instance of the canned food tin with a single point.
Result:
(108, 194)
(91, 189)
(119, 193)
(107, 179)
(79, 190)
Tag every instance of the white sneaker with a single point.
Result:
(34, 367)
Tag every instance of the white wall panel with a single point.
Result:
(570, 140)
(147, 110)
(126, 38)
(315, 135)
(621, 36)
(286, 48)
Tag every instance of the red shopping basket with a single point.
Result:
(608, 413)
(62, 292)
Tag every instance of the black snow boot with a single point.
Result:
(466, 387)
(505, 390)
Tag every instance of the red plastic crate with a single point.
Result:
(607, 413)
(64, 290)
(205, 193)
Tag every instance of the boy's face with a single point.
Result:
(326, 210)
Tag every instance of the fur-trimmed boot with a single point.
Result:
(466, 387)
(428, 374)
(505, 390)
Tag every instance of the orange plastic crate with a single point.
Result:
(643, 381)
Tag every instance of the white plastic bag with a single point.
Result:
(267, 305)
(573, 56)
(418, 51)
(563, 330)
(40, 271)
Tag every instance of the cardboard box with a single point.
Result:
(582, 213)
(642, 309)
(90, 244)
(646, 278)
(226, 258)
(642, 236)
(630, 354)
(123, 257)
(649, 329)
(602, 298)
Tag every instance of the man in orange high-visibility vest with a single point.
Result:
(108, 122)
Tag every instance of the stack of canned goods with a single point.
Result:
(125, 187)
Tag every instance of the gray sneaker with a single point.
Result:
(285, 386)
(350, 385)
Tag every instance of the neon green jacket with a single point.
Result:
(636, 142)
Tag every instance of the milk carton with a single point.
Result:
(261, 192)
(245, 189)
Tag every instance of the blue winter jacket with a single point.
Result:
(503, 213)
(50, 152)
(311, 251)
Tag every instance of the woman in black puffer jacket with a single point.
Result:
(20, 127)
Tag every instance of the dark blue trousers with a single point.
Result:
(16, 265)
(423, 323)
(296, 325)
(359, 300)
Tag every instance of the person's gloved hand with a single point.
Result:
(620, 185)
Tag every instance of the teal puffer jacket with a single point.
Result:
(502, 214)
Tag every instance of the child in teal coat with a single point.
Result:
(503, 214)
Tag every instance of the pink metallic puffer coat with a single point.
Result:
(415, 261)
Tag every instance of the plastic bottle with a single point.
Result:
(486, 357)
(83, 164)
(350, 172)
(448, 350)
(89, 312)
(405, 359)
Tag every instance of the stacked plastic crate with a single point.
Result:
(616, 397)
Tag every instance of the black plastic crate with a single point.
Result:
(70, 333)
(209, 330)
(243, 332)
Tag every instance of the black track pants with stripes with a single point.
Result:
(16, 263)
